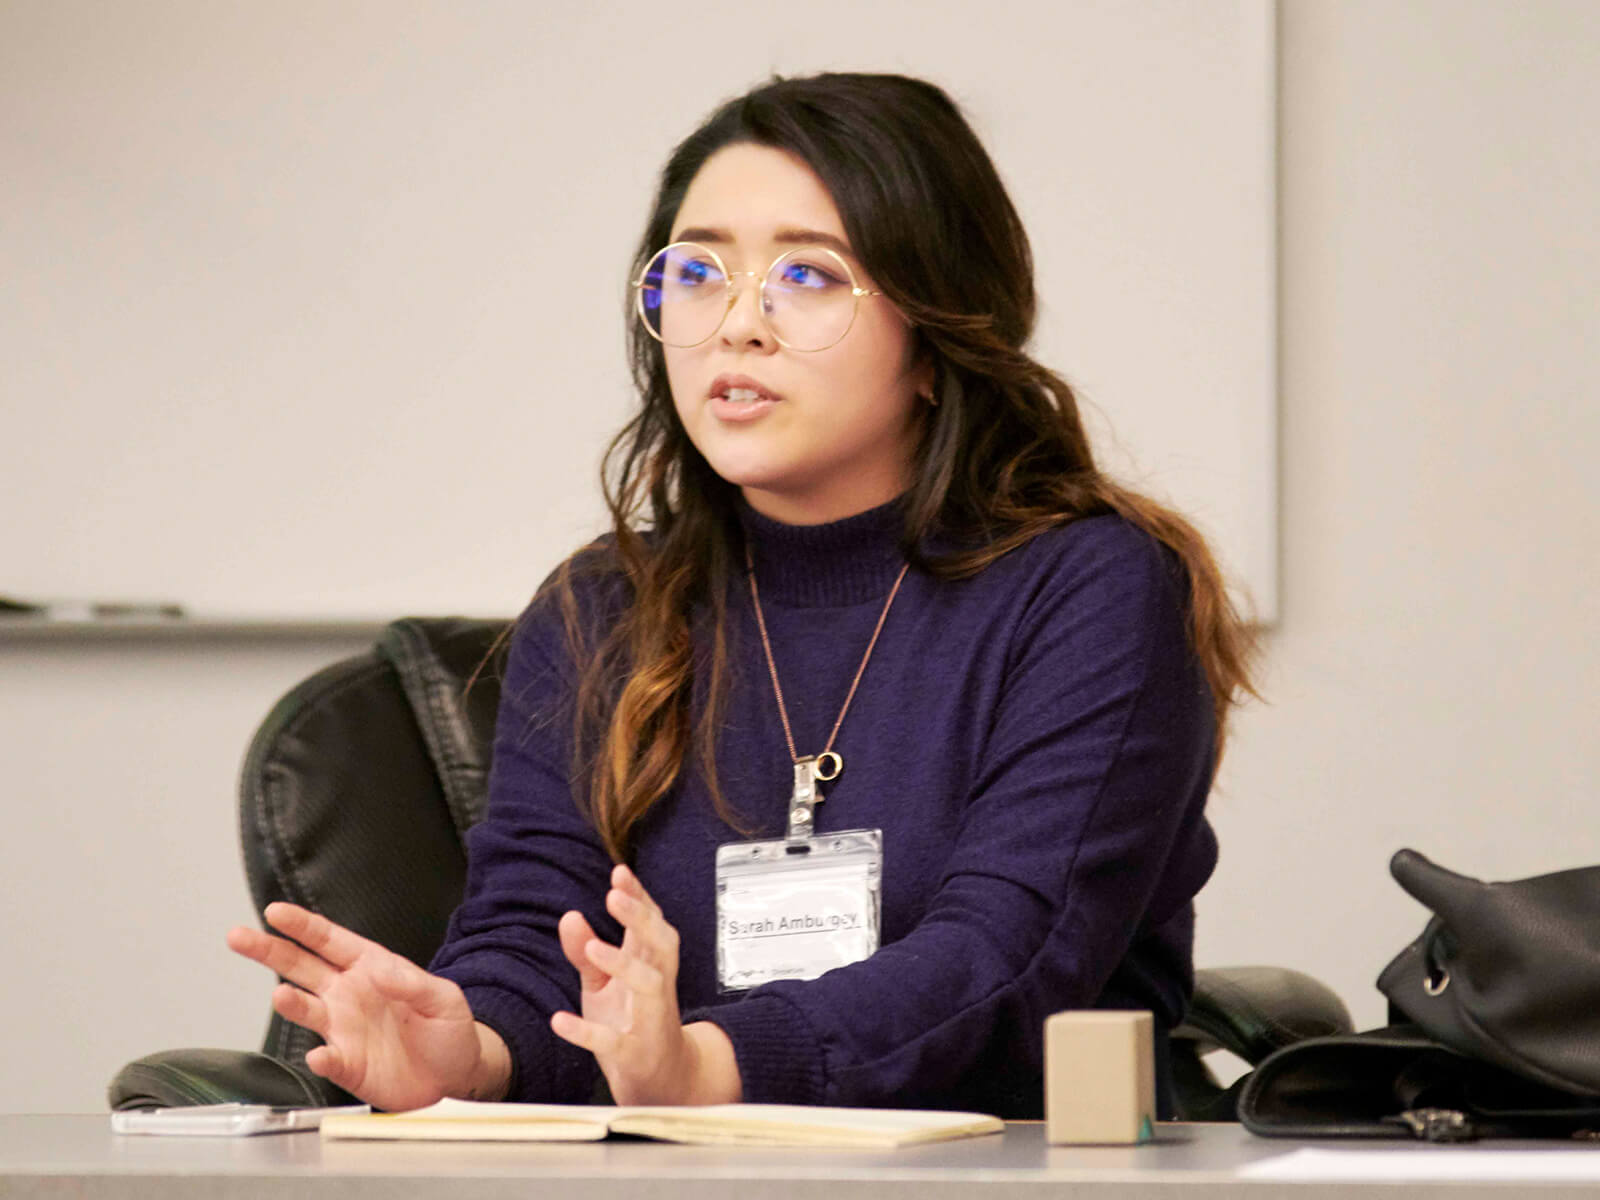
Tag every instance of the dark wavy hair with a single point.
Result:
(1001, 457)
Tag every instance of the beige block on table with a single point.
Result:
(1099, 1078)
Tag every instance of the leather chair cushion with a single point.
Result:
(180, 1078)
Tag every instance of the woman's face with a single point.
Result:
(831, 432)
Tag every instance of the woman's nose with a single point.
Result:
(744, 323)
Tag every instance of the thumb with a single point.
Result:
(329, 1063)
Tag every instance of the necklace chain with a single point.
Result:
(772, 666)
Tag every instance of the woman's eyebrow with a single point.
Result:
(710, 236)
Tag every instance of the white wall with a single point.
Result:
(1431, 681)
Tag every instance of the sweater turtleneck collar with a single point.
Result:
(820, 566)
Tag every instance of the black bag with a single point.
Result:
(1497, 1033)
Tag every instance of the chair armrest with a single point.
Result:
(1250, 1012)
(1254, 1011)
(182, 1078)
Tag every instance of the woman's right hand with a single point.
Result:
(395, 1036)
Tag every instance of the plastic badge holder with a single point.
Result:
(224, 1120)
(794, 909)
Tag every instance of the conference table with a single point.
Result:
(78, 1156)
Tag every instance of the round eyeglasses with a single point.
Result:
(808, 296)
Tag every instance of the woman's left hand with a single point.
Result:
(630, 1020)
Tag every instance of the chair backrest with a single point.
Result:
(359, 787)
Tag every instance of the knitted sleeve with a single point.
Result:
(530, 859)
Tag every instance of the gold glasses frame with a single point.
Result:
(856, 292)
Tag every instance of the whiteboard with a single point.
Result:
(278, 337)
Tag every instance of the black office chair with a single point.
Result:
(355, 800)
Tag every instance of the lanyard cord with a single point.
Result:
(772, 666)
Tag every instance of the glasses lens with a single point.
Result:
(810, 298)
(683, 294)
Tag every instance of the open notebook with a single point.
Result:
(711, 1125)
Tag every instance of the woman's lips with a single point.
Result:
(738, 398)
(736, 411)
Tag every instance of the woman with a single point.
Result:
(861, 551)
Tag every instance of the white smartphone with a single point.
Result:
(224, 1120)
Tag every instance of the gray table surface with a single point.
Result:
(79, 1156)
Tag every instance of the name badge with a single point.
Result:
(795, 908)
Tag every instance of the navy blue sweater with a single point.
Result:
(1036, 744)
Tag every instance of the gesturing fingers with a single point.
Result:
(644, 980)
(316, 933)
(576, 934)
(284, 958)
(630, 1020)
(647, 933)
(301, 1007)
